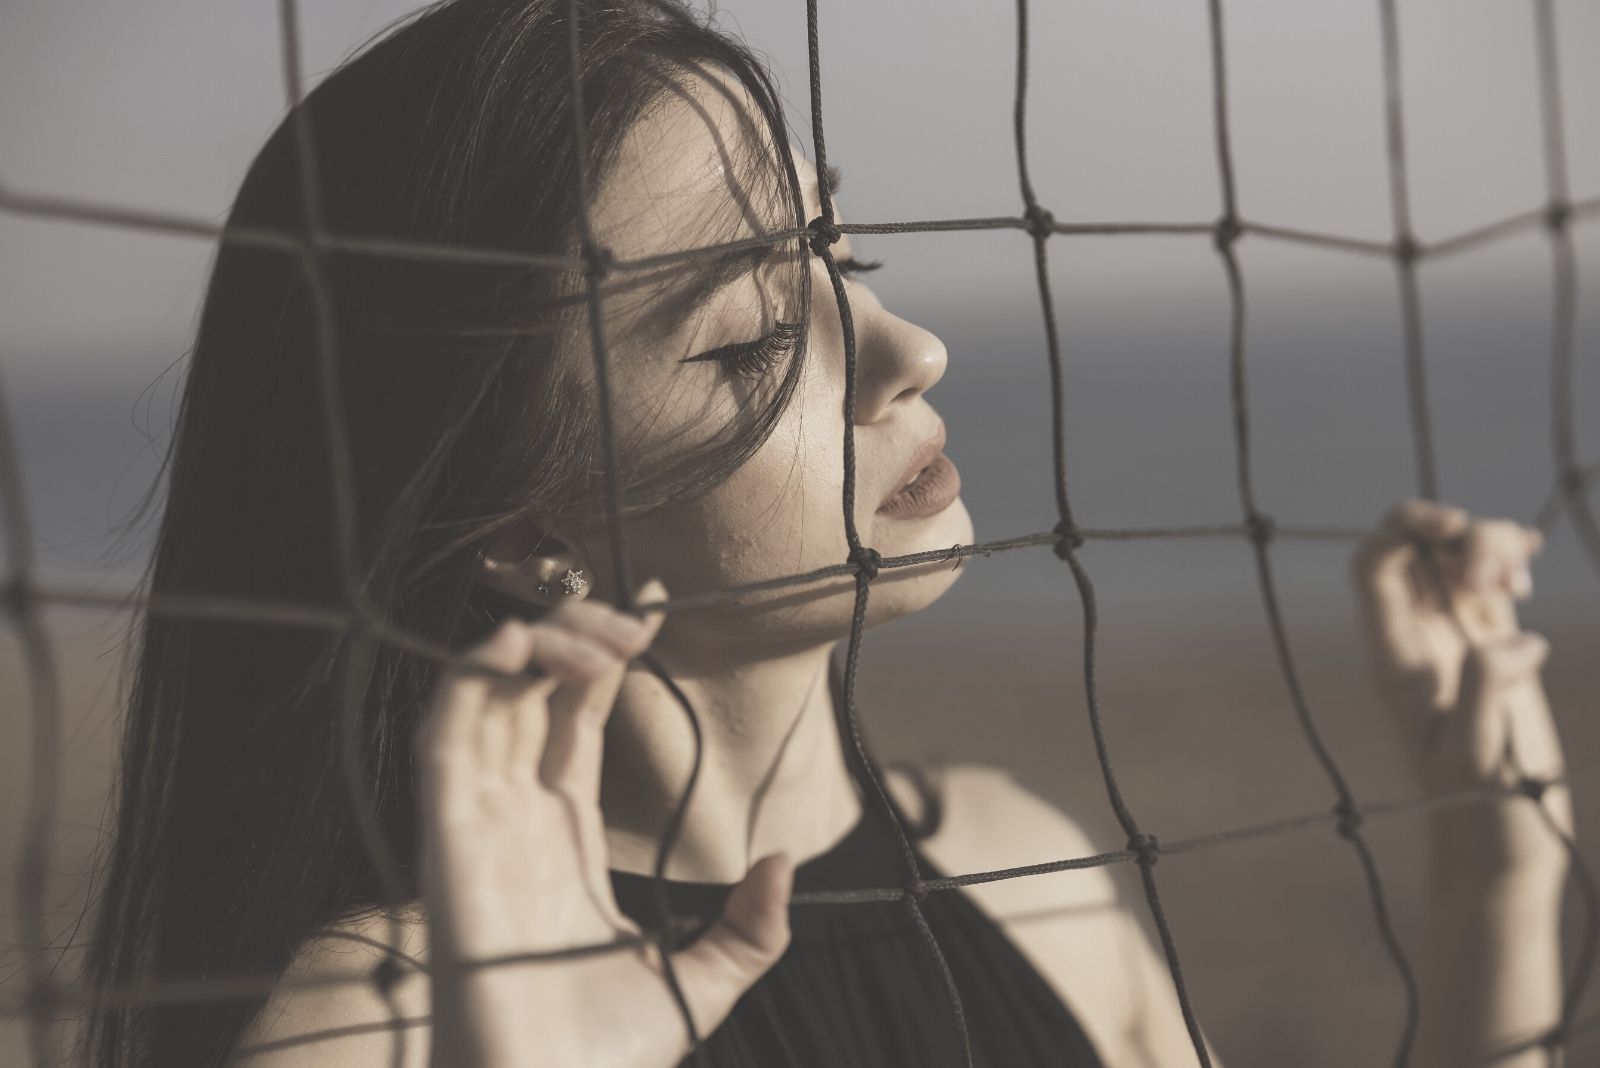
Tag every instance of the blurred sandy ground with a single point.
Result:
(1275, 935)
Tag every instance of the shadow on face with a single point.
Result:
(704, 350)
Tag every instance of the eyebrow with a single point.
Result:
(716, 273)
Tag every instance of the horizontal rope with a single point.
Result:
(236, 988)
(127, 217)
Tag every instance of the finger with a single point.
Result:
(1531, 543)
(1535, 538)
(571, 763)
(1381, 566)
(494, 735)
(623, 634)
(1493, 573)
(1477, 724)
(1388, 548)
(450, 728)
(746, 940)
(579, 712)
(566, 659)
(526, 712)
(1494, 550)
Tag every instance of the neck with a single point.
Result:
(773, 774)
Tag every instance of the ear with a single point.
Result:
(533, 566)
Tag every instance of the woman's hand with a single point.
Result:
(514, 862)
(1461, 681)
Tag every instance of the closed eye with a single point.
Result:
(751, 359)
(853, 266)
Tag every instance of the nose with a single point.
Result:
(896, 361)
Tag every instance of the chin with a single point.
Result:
(786, 620)
(901, 591)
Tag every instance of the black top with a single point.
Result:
(858, 986)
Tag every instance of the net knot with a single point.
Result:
(1406, 249)
(386, 976)
(1349, 818)
(16, 597)
(1554, 1038)
(1041, 221)
(598, 259)
(1557, 214)
(915, 889)
(1573, 480)
(1261, 527)
(1533, 787)
(867, 561)
(1228, 231)
(1069, 539)
(824, 232)
(1146, 846)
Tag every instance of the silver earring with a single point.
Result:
(573, 583)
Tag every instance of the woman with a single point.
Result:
(524, 812)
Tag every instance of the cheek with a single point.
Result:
(778, 514)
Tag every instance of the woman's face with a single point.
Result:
(690, 353)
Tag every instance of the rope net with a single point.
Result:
(24, 598)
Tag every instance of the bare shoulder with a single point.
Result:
(1072, 925)
(331, 1007)
(991, 820)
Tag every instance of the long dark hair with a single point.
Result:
(235, 837)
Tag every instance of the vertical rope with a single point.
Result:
(597, 262)
(361, 649)
(1570, 479)
(1406, 252)
(19, 601)
(1582, 876)
(312, 242)
(1261, 528)
(825, 232)
(1041, 224)
(339, 467)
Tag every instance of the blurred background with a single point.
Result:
(160, 105)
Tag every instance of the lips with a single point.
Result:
(929, 485)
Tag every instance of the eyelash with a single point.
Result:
(853, 266)
(752, 359)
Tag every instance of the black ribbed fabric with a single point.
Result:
(858, 988)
